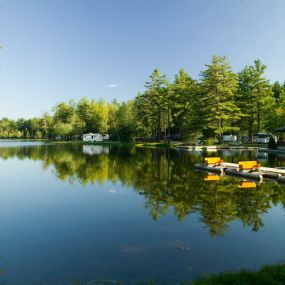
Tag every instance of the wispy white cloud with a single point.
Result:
(114, 85)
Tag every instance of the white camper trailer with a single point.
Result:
(229, 138)
(95, 137)
(92, 137)
(263, 137)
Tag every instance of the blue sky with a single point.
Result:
(56, 50)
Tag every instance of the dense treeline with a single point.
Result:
(71, 120)
(220, 102)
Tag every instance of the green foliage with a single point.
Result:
(221, 102)
(218, 107)
(183, 96)
(125, 121)
(278, 90)
(267, 275)
(210, 141)
(71, 120)
(38, 135)
(153, 106)
(255, 99)
(62, 130)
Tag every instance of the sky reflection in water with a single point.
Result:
(90, 213)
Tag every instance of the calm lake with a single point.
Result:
(122, 215)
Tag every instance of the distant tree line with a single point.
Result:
(220, 102)
(71, 120)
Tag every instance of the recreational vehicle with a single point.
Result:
(92, 137)
(229, 138)
(263, 137)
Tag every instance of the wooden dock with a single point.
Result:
(199, 148)
(249, 170)
(213, 147)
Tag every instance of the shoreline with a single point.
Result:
(267, 274)
(159, 145)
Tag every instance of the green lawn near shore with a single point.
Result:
(267, 275)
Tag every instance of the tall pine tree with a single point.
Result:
(218, 88)
(154, 105)
(184, 90)
(255, 97)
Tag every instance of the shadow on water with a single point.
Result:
(165, 178)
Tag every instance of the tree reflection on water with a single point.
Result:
(164, 177)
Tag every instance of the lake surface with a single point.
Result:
(91, 213)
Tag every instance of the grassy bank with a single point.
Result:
(267, 275)
(156, 145)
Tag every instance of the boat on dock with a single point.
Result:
(249, 170)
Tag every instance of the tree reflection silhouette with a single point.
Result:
(166, 178)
